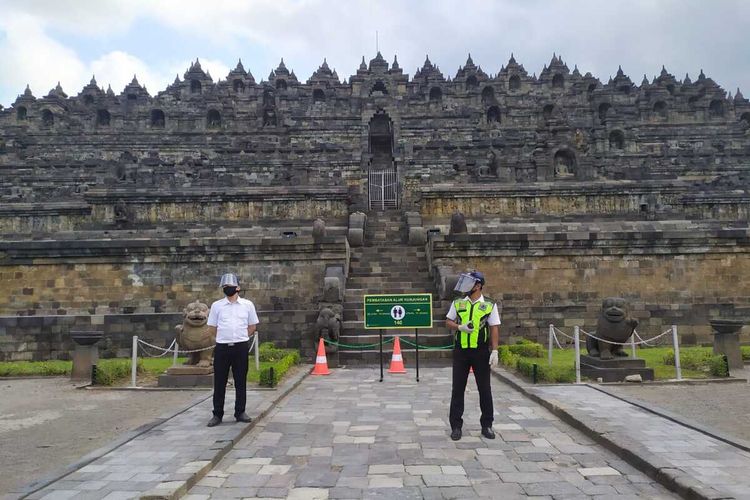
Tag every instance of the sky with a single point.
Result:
(46, 41)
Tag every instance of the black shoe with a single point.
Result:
(214, 421)
(488, 432)
(456, 434)
(243, 417)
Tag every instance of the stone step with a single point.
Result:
(390, 285)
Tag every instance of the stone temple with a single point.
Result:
(117, 210)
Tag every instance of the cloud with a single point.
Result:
(30, 56)
(118, 68)
(641, 35)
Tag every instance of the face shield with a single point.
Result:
(465, 283)
(229, 279)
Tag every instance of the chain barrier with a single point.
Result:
(357, 346)
(427, 348)
(387, 341)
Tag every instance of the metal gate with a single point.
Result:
(383, 187)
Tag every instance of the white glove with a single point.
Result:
(465, 328)
(493, 358)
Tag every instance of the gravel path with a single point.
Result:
(46, 424)
(723, 406)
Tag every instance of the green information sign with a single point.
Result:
(398, 311)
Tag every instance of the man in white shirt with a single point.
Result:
(233, 321)
(477, 325)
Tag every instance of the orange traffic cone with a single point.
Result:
(397, 362)
(321, 362)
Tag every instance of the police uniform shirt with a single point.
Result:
(492, 320)
(231, 319)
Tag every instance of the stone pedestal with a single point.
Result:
(187, 376)
(727, 341)
(85, 355)
(614, 370)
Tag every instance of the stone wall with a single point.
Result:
(42, 338)
(669, 277)
(591, 200)
(187, 208)
(128, 286)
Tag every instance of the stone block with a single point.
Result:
(186, 380)
(356, 237)
(333, 291)
(417, 236)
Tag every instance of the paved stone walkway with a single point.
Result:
(166, 459)
(348, 436)
(717, 469)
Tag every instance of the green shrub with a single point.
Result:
(109, 371)
(745, 352)
(508, 358)
(269, 352)
(34, 368)
(691, 359)
(270, 376)
(546, 373)
(717, 366)
(527, 349)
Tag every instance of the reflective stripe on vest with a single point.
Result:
(474, 313)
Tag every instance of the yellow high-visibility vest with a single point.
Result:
(474, 313)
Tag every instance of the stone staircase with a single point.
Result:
(386, 264)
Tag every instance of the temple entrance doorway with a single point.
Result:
(382, 181)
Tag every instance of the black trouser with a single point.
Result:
(234, 356)
(463, 360)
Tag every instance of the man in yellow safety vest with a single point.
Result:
(476, 322)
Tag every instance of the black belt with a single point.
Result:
(232, 344)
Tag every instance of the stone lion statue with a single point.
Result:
(193, 334)
(613, 324)
(328, 323)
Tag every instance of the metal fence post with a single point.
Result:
(174, 356)
(676, 345)
(578, 355)
(134, 361)
(549, 344)
(632, 344)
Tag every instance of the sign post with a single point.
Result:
(398, 311)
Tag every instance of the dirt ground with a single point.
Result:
(724, 406)
(46, 424)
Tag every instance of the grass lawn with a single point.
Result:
(563, 362)
(117, 371)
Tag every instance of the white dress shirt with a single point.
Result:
(493, 320)
(231, 319)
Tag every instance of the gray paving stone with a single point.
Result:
(410, 454)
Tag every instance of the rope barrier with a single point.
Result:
(645, 341)
(625, 343)
(179, 351)
(554, 337)
(164, 353)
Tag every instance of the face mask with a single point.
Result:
(230, 290)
